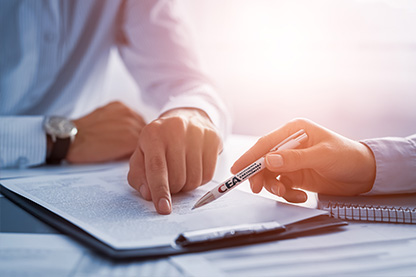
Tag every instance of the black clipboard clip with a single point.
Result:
(228, 233)
(254, 233)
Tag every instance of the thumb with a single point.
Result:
(291, 160)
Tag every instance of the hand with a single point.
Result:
(108, 133)
(326, 163)
(176, 152)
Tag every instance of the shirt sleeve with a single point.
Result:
(22, 141)
(158, 52)
(395, 164)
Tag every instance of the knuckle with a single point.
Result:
(151, 131)
(177, 122)
(300, 122)
(117, 104)
(132, 180)
(193, 180)
(177, 183)
(212, 136)
(156, 164)
(197, 130)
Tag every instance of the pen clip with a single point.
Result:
(226, 233)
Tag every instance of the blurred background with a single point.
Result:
(349, 65)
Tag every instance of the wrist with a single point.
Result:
(49, 145)
(185, 112)
(60, 134)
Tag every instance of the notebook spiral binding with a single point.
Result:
(371, 213)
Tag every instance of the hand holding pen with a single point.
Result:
(326, 163)
(290, 142)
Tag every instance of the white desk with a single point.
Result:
(30, 246)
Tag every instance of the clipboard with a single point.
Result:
(186, 242)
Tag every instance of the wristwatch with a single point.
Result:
(61, 132)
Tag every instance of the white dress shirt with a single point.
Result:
(395, 164)
(54, 56)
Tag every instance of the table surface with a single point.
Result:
(355, 239)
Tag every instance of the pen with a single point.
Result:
(290, 142)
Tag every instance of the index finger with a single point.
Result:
(157, 176)
(265, 144)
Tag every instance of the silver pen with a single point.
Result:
(290, 142)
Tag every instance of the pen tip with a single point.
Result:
(207, 198)
(197, 205)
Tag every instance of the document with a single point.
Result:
(11, 173)
(104, 205)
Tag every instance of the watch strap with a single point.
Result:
(59, 150)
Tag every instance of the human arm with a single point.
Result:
(177, 151)
(332, 164)
(22, 141)
(396, 164)
(108, 133)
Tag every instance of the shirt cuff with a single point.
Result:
(395, 165)
(22, 141)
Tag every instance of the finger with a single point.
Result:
(295, 195)
(257, 182)
(176, 167)
(271, 182)
(267, 142)
(291, 194)
(209, 163)
(275, 187)
(212, 148)
(194, 148)
(157, 175)
(136, 176)
(295, 159)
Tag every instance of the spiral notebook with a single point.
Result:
(399, 208)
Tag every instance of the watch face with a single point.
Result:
(60, 127)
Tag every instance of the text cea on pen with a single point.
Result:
(241, 176)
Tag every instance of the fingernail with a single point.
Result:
(164, 206)
(144, 191)
(274, 160)
(276, 190)
(301, 198)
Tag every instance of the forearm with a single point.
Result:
(22, 141)
(395, 163)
